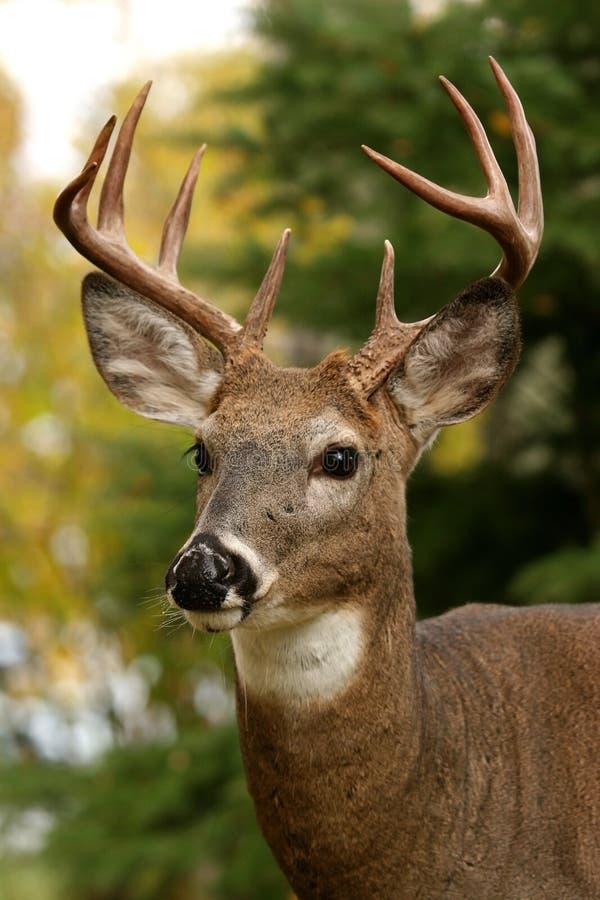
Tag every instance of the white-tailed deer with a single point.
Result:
(456, 757)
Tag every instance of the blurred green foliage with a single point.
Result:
(94, 502)
(153, 821)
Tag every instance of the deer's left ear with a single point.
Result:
(460, 359)
(151, 361)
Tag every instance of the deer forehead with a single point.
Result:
(255, 430)
(264, 406)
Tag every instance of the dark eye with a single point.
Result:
(201, 458)
(338, 462)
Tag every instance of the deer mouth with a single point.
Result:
(206, 577)
(215, 622)
(216, 581)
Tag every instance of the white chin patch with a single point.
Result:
(224, 619)
(221, 620)
(311, 660)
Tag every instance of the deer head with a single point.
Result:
(300, 505)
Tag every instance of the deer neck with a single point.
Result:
(304, 753)
(332, 777)
(311, 662)
(351, 668)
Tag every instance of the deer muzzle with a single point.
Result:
(206, 576)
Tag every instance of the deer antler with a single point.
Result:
(519, 234)
(107, 248)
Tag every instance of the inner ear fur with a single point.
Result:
(460, 360)
(153, 363)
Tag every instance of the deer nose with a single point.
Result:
(200, 577)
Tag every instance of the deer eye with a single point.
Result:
(201, 458)
(337, 462)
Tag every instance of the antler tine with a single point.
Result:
(495, 180)
(389, 339)
(259, 314)
(110, 207)
(518, 234)
(530, 207)
(107, 248)
(70, 209)
(385, 313)
(178, 219)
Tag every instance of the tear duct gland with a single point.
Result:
(456, 757)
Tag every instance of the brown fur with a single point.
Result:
(463, 763)
(460, 759)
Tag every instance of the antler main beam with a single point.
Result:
(106, 246)
(519, 234)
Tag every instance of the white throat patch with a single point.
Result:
(311, 660)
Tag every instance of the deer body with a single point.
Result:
(456, 757)
(470, 771)
(452, 758)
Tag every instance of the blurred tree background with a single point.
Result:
(120, 777)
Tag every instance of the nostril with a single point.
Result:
(218, 568)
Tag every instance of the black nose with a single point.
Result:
(201, 575)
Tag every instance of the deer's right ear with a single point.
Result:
(460, 359)
(151, 361)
